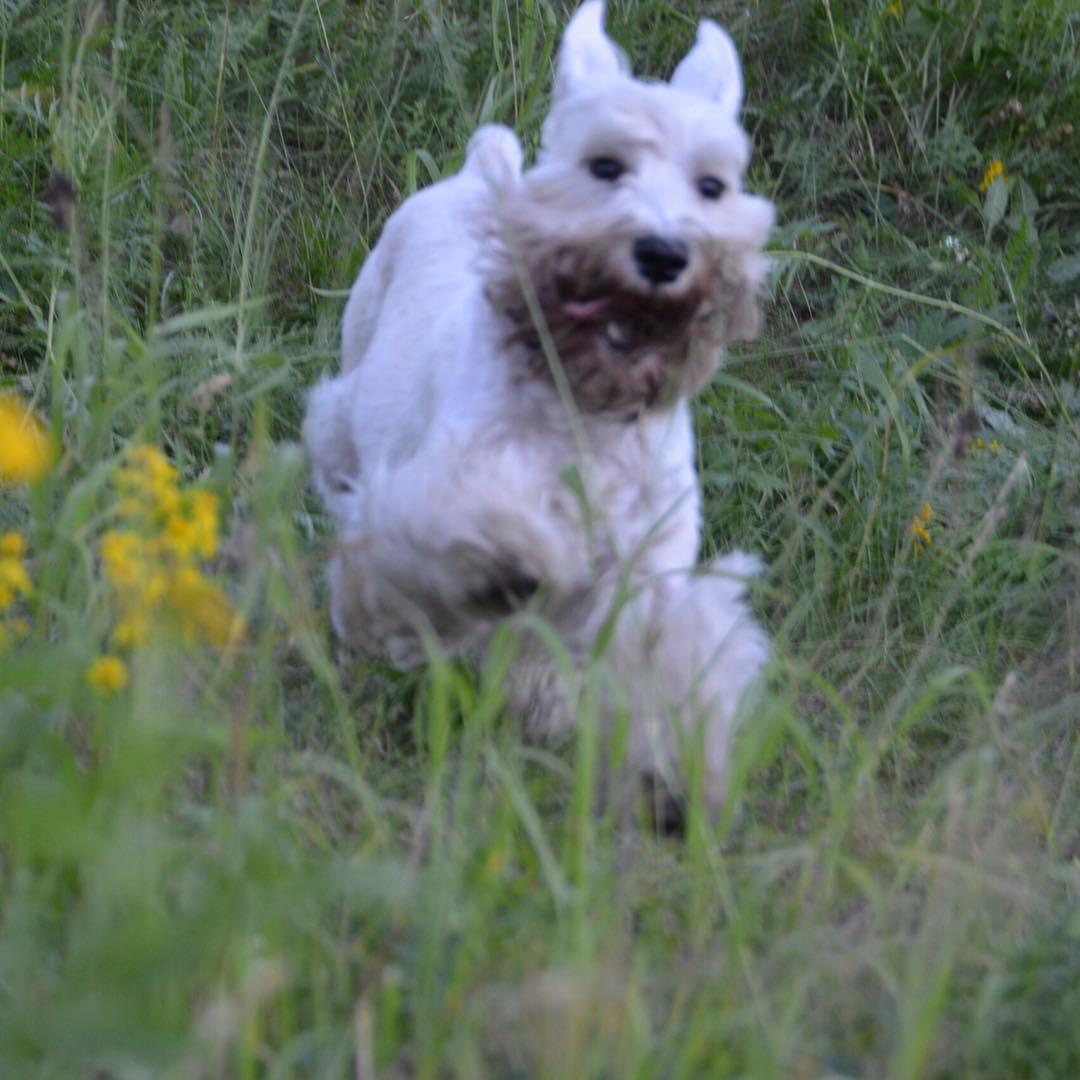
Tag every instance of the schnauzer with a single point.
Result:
(511, 428)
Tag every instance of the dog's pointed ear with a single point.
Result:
(587, 54)
(711, 69)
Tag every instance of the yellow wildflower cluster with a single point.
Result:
(14, 583)
(895, 9)
(26, 454)
(152, 562)
(26, 450)
(981, 444)
(919, 528)
(107, 674)
(994, 171)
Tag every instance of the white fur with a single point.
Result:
(455, 473)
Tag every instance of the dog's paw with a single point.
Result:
(486, 582)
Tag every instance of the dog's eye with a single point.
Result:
(712, 187)
(606, 168)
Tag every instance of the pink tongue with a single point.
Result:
(586, 310)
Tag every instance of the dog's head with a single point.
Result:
(631, 235)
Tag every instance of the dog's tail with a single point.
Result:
(494, 152)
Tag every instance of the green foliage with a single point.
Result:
(272, 860)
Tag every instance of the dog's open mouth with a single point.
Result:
(624, 320)
(617, 334)
(587, 310)
(622, 348)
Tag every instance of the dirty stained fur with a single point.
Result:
(643, 349)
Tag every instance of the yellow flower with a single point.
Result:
(133, 630)
(124, 556)
(895, 9)
(152, 562)
(14, 580)
(204, 516)
(192, 529)
(165, 498)
(154, 464)
(153, 587)
(148, 485)
(107, 674)
(205, 612)
(918, 527)
(26, 449)
(994, 171)
(12, 545)
(14, 583)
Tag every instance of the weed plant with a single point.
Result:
(227, 851)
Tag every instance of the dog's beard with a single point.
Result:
(623, 346)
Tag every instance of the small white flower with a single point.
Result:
(955, 247)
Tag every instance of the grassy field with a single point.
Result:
(227, 851)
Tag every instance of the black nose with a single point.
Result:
(659, 260)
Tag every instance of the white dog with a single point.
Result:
(511, 426)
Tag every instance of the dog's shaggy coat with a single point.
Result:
(511, 425)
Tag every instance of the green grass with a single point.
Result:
(274, 861)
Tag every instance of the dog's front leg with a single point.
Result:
(684, 652)
(449, 543)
